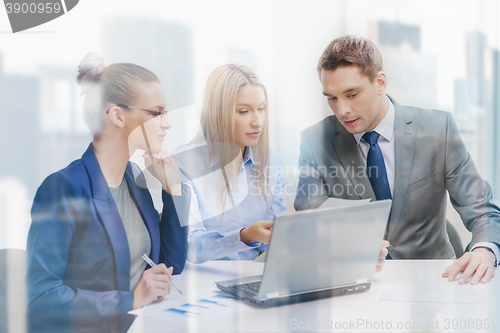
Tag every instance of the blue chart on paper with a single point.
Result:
(209, 307)
(183, 312)
(194, 310)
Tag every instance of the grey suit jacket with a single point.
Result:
(430, 159)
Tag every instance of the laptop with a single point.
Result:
(315, 254)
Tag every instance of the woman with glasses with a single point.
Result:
(234, 202)
(92, 220)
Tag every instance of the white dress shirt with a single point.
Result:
(386, 142)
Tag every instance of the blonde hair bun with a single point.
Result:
(89, 70)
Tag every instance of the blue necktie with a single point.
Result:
(375, 167)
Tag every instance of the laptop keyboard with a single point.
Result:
(250, 288)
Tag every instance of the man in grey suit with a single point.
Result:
(372, 147)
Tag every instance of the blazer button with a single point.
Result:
(390, 247)
(237, 242)
(238, 221)
(231, 243)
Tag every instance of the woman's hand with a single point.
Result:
(260, 231)
(163, 167)
(154, 284)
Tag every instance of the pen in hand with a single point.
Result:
(152, 264)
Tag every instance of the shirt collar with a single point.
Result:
(386, 126)
(248, 156)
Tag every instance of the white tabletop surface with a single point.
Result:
(363, 312)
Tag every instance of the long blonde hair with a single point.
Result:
(218, 123)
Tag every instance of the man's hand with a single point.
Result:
(478, 264)
(382, 255)
(154, 284)
(260, 231)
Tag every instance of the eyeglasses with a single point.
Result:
(153, 113)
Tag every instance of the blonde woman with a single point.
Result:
(234, 202)
(91, 222)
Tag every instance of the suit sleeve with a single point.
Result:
(470, 195)
(311, 189)
(173, 229)
(57, 207)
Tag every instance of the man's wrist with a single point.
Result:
(487, 252)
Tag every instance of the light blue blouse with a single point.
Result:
(213, 235)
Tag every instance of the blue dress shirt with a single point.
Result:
(214, 226)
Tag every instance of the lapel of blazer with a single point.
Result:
(110, 218)
(348, 154)
(150, 216)
(404, 150)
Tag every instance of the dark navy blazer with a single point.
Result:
(78, 259)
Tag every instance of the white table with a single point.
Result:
(361, 312)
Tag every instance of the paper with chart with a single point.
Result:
(201, 307)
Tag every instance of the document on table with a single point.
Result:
(334, 202)
(452, 293)
(434, 276)
(192, 309)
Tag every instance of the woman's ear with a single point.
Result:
(115, 115)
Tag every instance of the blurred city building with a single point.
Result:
(165, 48)
(411, 75)
(42, 130)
